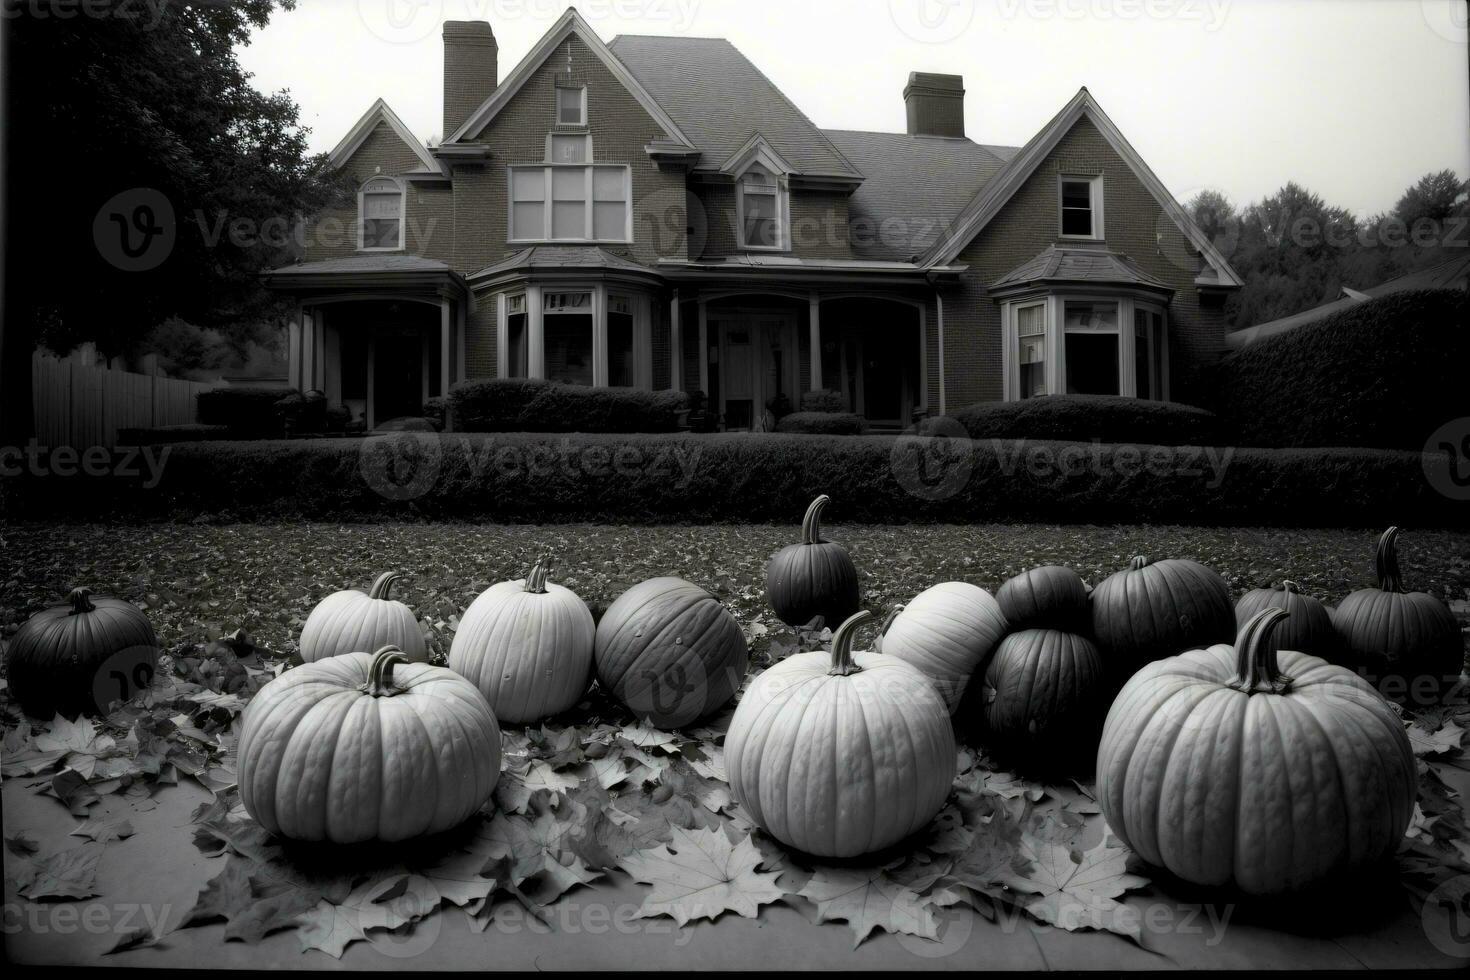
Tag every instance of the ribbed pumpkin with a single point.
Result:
(1044, 698)
(1048, 597)
(364, 747)
(349, 621)
(669, 652)
(1411, 640)
(79, 656)
(947, 631)
(1309, 628)
(1235, 766)
(527, 645)
(1159, 609)
(813, 577)
(840, 754)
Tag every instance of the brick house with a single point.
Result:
(653, 212)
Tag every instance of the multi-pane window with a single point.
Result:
(571, 106)
(570, 203)
(517, 349)
(1081, 207)
(1031, 350)
(567, 330)
(621, 370)
(1091, 335)
(762, 209)
(1148, 353)
(381, 215)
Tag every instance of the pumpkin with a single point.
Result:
(1404, 638)
(1240, 767)
(813, 577)
(80, 656)
(841, 754)
(363, 747)
(1308, 630)
(1043, 699)
(1048, 597)
(1159, 609)
(669, 652)
(348, 621)
(527, 646)
(947, 631)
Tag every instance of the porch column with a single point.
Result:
(502, 338)
(535, 334)
(319, 349)
(446, 344)
(332, 372)
(370, 415)
(599, 336)
(293, 350)
(676, 346)
(704, 346)
(814, 327)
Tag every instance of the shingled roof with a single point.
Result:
(1079, 265)
(720, 100)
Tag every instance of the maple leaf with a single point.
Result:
(66, 874)
(539, 848)
(1074, 890)
(867, 900)
(458, 876)
(645, 736)
(388, 899)
(684, 782)
(105, 831)
(700, 875)
(1446, 738)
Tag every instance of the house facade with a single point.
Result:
(653, 212)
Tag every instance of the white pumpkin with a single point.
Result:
(527, 645)
(350, 622)
(841, 754)
(948, 632)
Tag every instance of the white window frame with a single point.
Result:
(1056, 340)
(1046, 345)
(362, 193)
(1095, 197)
(1121, 308)
(582, 116)
(781, 191)
(1162, 352)
(589, 225)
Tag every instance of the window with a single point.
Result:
(517, 351)
(1031, 332)
(1091, 335)
(1148, 353)
(586, 204)
(1081, 207)
(762, 207)
(571, 106)
(621, 370)
(570, 148)
(567, 329)
(380, 211)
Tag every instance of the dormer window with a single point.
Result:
(1080, 205)
(571, 105)
(762, 208)
(380, 215)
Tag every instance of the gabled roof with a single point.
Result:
(568, 25)
(380, 112)
(1082, 265)
(721, 100)
(998, 191)
(914, 189)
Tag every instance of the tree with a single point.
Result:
(1435, 196)
(163, 181)
(1215, 215)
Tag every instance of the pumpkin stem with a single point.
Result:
(811, 524)
(883, 630)
(80, 600)
(380, 674)
(842, 664)
(383, 584)
(1256, 669)
(1139, 563)
(536, 577)
(1287, 585)
(1386, 562)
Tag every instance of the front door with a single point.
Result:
(755, 364)
(398, 376)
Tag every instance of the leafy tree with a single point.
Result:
(1215, 215)
(164, 182)
(1435, 196)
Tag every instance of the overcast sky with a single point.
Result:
(1353, 98)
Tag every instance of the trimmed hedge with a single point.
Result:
(1087, 418)
(1386, 373)
(532, 405)
(823, 400)
(248, 411)
(740, 477)
(163, 434)
(822, 423)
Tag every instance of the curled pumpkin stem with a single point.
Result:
(536, 577)
(842, 664)
(883, 630)
(380, 674)
(1289, 586)
(383, 585)
(81, 600)
(811, 524)
(1256, 669)
(1386, 562)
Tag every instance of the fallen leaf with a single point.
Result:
(699, 875)
(867, 899)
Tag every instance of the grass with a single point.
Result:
(200, 581)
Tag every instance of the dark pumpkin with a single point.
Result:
(1048, 597)
(669, 652)
(80, 656)
(813, 577)
(1152, 610)
(1309, 628)
(1404, 641)
(1044, 697)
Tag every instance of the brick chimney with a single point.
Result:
(469, 69)
(936, 104)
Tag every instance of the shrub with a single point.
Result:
(338, 417)
(1084, 418)
(192, 432)
(526, 405)
(434, 411)
(247, 411)
(1385, 373)
(822, 423)
(823, 400)
(303, 414)
(494, 404)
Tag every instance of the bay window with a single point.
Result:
(1061, 343)
(570, 203)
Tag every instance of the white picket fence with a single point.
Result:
(81, 406)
